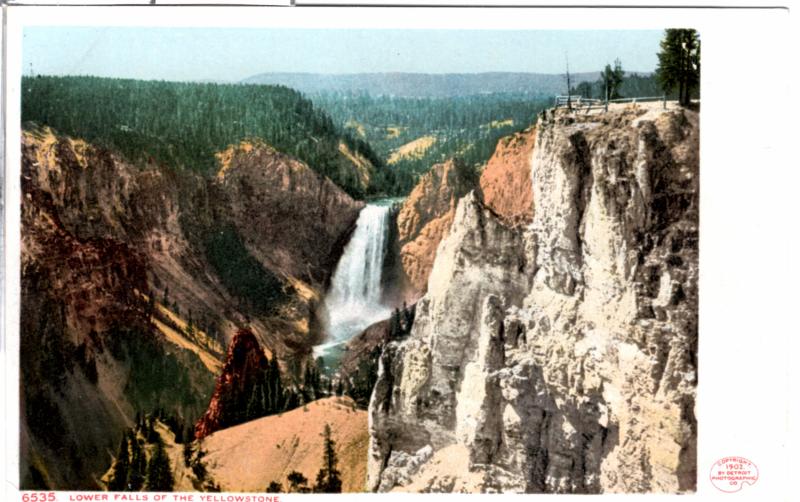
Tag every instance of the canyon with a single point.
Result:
(551, 340)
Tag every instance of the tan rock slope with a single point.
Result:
(506, 180)
(425, 218)
(559, 358)
(248, 457)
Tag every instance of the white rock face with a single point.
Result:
(560, 359)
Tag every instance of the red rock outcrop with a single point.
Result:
(424, 220)
(506, 179)
(244, 365)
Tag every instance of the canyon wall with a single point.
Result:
(281, 205)
(135, 278)
(506, 180)
(427, 214)
(424, 220)
(561, 356)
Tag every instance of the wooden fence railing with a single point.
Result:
(580, 103)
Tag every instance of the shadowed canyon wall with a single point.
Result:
(135, 278)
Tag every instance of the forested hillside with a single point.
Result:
(412, 134)
(424, 85)
(627, 85)
(184, 124)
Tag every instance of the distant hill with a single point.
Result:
(424, 84)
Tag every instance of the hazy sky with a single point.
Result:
(234, 54)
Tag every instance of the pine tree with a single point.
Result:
(395, 330)
(274, 487)
(291, 400)
(138, 464)
(619, 77)
(159, 473)
(308, 384)
(408, 318)
(611, 80)
(198, 466)
(297, 482)
(319, 484)
(316, 383)
(150, 432)
(679, 63)
(255, 404)
(328, 477)
(119, 476)
(188, 451)
(276, 386)
(583, 89)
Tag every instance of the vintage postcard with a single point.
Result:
(331, 254)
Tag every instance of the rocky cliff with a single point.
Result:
(89, 349)
(560, 357)
(278, 206)
(281, 205)
(134, 278)
(363, 346)
(506, 180)
(424, 220)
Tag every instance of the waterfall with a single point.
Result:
(354, 299)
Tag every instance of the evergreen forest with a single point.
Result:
(183, 125)
(467, 127)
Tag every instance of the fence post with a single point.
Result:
(606, 108)
(665, 100)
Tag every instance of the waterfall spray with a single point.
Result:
(354, 299)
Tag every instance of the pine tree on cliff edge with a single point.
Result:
(679, 63)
